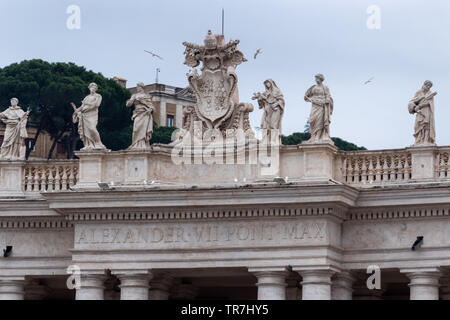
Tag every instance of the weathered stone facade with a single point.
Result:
(167, 231)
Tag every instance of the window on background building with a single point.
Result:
(29, 143)
(170, 120)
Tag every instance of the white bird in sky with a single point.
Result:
(153, 54)
(256, 53)
(368, 81)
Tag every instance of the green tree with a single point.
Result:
(299, 137)
(48, 88)
(162, 134)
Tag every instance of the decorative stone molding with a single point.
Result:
(424, 283)
(397, 213)
(208, 214)
(33, 223)
(271, 283)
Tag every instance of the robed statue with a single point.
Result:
(423, 106)
(272, 102)
(13, 147)
(321, 110)
(142, 117)
(87, 118)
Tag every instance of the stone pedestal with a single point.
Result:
(342, 286)
(91, 287)
(316, 284)
(424, 283)
(134, 286)
(423, 162)
(271, 285)
(318, 161)
(12, 288)
(90, 168)
(11, 178)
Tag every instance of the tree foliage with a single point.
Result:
(48, 88)
(299, 137)
(162, 134)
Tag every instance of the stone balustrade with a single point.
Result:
(376, 167)
(20, 177)
(309, 163)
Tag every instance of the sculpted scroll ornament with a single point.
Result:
(216, 87)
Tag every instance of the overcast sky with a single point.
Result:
(299, 38)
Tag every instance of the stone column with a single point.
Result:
(91, 287)
(293, 290)
(316, 284)
(341, 286)
(445, 288)
(179, 116)
(12, 288)
(424, 283)
(134, 286)
(160, 287)
(162, 113)
(271, 284)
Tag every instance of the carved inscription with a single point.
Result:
(201, 234)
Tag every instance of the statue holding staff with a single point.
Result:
(321, 110)
(142, 117)
(13, 147)
(423, 106)
(87, 118)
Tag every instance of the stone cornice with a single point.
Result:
(35, 223)
(140, 199)
(401, 195)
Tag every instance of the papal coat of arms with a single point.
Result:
(215, 89)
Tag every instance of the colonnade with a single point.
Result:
(424, 284)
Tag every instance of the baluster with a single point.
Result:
(64, 179)
(364, 170)
(58, 179)
(71, 176)
(36, 179)
(344, 169)
(378, 168)
(51, 179)
(371, 170)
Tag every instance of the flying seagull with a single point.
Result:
(153, 54)
(256, 53)
(368, 81)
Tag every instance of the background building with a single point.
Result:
(169, 102)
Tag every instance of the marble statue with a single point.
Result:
(321, 110)
(423, 106)
(215, 88)
(272, 102)
(142, 117)
(13, 147)
(87, 118)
